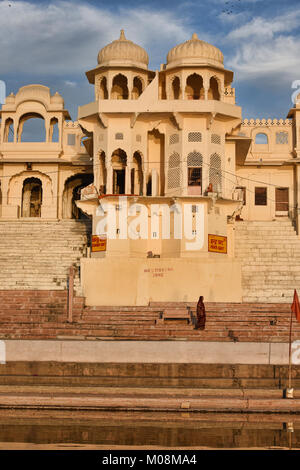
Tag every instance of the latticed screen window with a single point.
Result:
(282, 138)
(260, 196)
(215, 174)
(119, 136)
(215, 139)
(194, 159)
(174, 139)
(174, 175)
(71, 139)
(195, 137)
(195, 176)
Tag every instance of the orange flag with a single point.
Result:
(296, 306)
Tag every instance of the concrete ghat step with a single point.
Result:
(85, 401)
(181, 392)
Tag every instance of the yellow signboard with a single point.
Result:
(217, 244)
(98, 243)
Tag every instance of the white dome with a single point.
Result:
(194, 52)
(123, 52)
(57, 99)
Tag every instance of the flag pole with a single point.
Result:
(290, 354)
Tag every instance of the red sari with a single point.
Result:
(201, 315)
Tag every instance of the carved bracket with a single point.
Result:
(210, 120)
(133, 119)
(179, 120)
(103, 120)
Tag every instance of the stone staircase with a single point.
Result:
(270, 255)
(37, 254)
(42, 315)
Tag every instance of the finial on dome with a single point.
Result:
(122, 35)
(195, 36)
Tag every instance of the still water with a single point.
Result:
(122, 430)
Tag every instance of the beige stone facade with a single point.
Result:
(38, 178)
(168, 137)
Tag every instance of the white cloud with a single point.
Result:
(70, 83)
(261, 28)
(280, 59)
(267, 49)
(64, 37)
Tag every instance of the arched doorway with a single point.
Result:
(32, 196)
(137, 89)
(119, 163)
(103, 93)
(194, 89)
(176, 91)
(71, 194)
(119, 89)
(213, 92)
(137, 174)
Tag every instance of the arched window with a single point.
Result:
(72, 193)
(9, 130)
(176, 89)
(119, 163)
(103, 173)
(149, 186)
(194, 87)
(103, 93)
(137, 89)
(261, 139)
(194, 159)
(213, 92)
(215, 173)
(119, 89)
(137, 174)
(54, 132)
(31, 128)
(194, 164)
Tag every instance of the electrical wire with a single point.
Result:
(235, 183)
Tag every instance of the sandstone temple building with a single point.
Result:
(169, 138)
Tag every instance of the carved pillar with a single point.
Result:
(183, 84)
(47, 129)
(206, 87)
(109, 85)
(109, 173)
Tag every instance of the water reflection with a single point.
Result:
(169, 430)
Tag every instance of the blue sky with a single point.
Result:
(55, 42)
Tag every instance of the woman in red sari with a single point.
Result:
(201, 316)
